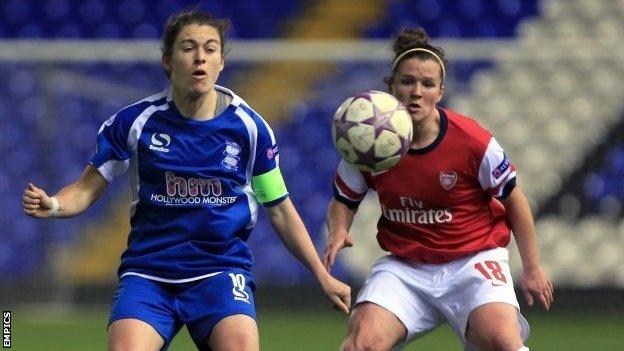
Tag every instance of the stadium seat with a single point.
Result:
(447, 18)
(134, 18)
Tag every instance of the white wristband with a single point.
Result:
(55, 207)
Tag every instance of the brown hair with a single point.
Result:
(414, 38)
(179, 20)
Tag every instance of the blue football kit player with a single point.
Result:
(201, 161)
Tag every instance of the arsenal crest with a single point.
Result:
(448, 179)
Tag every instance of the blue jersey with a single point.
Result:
(193, 206)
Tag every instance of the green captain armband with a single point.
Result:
(269, 186)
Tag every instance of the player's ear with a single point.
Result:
(222, 64)
(442, 90)
(166, 62)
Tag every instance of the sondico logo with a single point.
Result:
(160, 141)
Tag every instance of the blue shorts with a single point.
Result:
(199, 304)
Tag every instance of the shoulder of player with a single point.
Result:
(244, 111)
(131, 112)
(470, 130)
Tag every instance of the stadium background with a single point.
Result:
(545, 76)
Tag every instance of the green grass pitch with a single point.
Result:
(309, 331)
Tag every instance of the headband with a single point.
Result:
(398, 58)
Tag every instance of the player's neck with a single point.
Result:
(426, 131)
(197, 107)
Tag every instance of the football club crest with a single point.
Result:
(231, 155)
(448, 179)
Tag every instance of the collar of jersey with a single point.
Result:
(174, 109)
(438, 140)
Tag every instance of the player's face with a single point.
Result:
(417, 84)
(196, 60)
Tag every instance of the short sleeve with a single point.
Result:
(350, 186)
(497, 174)
(267, 181)
(111, 156)
(267, 150)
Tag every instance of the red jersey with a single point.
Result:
(439, 203)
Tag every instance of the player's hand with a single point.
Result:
(337, 241)
(35, 202)
(537, 286)
(337, 291)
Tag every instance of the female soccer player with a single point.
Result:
(447, 210)
(200, 160)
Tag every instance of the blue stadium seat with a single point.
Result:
(450, 18)
(55, 10)
(134, 18)
(600, 186)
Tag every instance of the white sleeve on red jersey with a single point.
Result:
(350, 187)
(497, 175)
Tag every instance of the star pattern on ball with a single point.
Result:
(380, 121)
(377, 121)
(367, 158)
(343, 125)
(405, 144)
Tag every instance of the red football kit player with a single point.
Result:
(439, 203)
(448, 209)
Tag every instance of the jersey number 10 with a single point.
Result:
(238, 287)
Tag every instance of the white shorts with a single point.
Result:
(423, 296)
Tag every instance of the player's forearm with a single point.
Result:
(72, 201)
(339, 217)
(523, 228)
(293, 234)
(76, 197)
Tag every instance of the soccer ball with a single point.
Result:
(372, 130)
